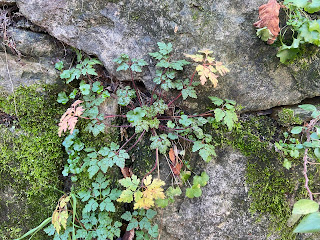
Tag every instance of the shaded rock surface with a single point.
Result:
(222, 210)
(257, 80)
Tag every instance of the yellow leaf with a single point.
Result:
(221, 69)
(203, 79)
(205, 51)
(210, 59)
(64, 201)
(147, 180)
(55, 221)
(213, 79)
(196, 58)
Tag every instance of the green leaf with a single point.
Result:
(308, 107)
(197, 145)
(123, 67)
(296, 130)
(264, 34)
(96, 87)
(84, 88)
(84, 195)
(202, 180)
(126, 216)
(107, 205)
(188, 92)
(185, 121)
(285, 54)
(93, 170)
(216, 101)
(62, 98)
(305, 206)
(145, 224)
(98, 128)
(313, 7)
(229, 119)
(156, 55)
(91, 71)
(65, 74)
(136, 68)
(154, 231)
(287, 164)
(132, 224)
(293, 219)
(162, 202)
(194, 191)
(219, 114)
(298, 3)
(150, 213)
(91, 206)
(309, 224)
(73, 94)
(126, 196)
(59, 65)
(164, 48)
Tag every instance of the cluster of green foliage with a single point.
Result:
(305, 29)
(303, 142)
(30, 158)
(97, 210)
(302, 28)
(286, 117)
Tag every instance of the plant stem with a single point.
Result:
(138, 140)
(135, 87)
(191, 79)
(127, 142)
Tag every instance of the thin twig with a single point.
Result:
(10, 79)
(136, 141)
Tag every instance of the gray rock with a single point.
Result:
(222, 212)
(108, 28)
(7, 2)
(15, 72)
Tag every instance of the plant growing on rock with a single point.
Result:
(304, 143)
(302, 27)
(152, 116)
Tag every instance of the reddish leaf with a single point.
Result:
(126, 172)
(269, 17)
(69, 119)
(176, 162)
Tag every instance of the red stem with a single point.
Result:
(138, 140)
(127, 142)
(191, 79)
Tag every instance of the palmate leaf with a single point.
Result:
(313, 6)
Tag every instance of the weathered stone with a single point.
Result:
(7, 2)
(222, 212)
(257, 80)
(15, 72)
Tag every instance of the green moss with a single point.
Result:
(287, 118)
(269, 182)
(31, 160)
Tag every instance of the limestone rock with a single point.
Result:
(222, 212)
(15, 72)
(108, 28)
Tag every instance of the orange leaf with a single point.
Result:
(269, 17)
(171, 156)
(69, 119)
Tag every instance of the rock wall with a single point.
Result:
(108, 28)
(42, 32)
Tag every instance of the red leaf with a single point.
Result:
(269, 17)
(176, 162)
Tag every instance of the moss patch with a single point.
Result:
(270, 184)
(31, 159)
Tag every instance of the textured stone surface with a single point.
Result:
(15, 72)
(222, 210)
(257, 80)
(7, 2)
